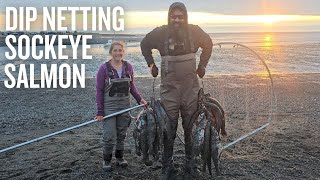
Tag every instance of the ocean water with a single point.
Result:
(297, 52)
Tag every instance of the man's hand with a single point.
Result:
(154, 70)
(99, 118)
(201, 71)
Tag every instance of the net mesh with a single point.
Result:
(239, 80)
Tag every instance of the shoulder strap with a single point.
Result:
(166, 42)
(126, 68)
(111, 73)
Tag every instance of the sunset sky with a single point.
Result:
(212, 15)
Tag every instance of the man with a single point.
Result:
(177, 43)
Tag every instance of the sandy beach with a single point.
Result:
(288, 149)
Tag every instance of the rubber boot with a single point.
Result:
(190, 168)
(146, 160)
(119, 159)
(167, 173)
(106, 165)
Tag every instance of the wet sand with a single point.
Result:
(288, 149)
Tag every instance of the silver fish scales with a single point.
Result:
(208, 122)
(146, 135)
(198, 131)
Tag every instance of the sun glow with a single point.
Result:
(207, 18)
(267, 38)
(152, 18)
(267, 41)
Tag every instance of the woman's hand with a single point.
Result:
(144, 102)
(99, 118)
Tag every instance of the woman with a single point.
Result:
(114, 82)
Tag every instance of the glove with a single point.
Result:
(201, 71)
(154, 70)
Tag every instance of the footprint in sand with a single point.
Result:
(65, 171)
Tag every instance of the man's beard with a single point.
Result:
(177, 29)
(178, 33)
(177, 26)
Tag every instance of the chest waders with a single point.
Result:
(116, 97)
(178, 93)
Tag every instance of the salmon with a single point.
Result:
(152, 134)
(218, 120)
(217, 111)
(207, 122)
(198, 129)
(140, 121)
(146, 136)
(162, 118)
(215, 142)
(206, 155)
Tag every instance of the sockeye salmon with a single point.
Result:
(146, 135)
(208, 121)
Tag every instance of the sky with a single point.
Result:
(142, 16)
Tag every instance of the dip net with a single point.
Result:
(239, 78)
